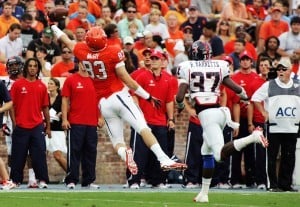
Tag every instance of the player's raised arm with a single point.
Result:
(63, 37)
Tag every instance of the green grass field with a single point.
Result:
(145, 199)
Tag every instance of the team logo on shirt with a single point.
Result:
(24, 91)
(79, 85)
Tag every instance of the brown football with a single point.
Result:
(57, 14)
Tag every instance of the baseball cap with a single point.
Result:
(246, 54)
(188, 27)
(285, 62)
(228, 59)
(147, 50)
(276, 8)
(48, 32)
(157, 54)
(193, 7)
(128, 40)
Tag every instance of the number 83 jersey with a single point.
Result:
(203, 78)
(102, 66)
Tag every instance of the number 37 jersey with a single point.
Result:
(204, 78)
(101, 67)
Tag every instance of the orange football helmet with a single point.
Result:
(96, 38)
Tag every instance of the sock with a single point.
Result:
(31, 175)
(239, 144)
(122, 153)
(205, 185)
(161, 156)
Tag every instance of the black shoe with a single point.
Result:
(275, 190)
(290, 189)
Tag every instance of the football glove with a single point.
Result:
(155, 102)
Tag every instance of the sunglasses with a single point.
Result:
(224, 23)
(133, 12)
(282, 68)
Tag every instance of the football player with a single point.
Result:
(105, 64)
(202, 77)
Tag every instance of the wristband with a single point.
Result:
(142, 93)
(58, 33)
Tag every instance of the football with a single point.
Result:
(57, 14)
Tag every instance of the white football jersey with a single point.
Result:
(204, 78)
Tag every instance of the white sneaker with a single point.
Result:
(134, 186)
(259, 137)
(93, 186)
(261, 187)
(143, 183)
(201, 198)
(224, 186)
(191, 185)
(42, 185)
(8, 185)
(162, 186)
(131, 165)
(32, 184)
(238, 186)
(71, 186)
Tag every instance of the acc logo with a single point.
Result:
(288, 111)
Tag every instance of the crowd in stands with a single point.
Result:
(249, 34)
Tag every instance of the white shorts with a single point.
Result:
(116, 109)
(56, 142)
(213, 121)
(8, 140)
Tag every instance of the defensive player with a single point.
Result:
(202, 77)
(105, 64)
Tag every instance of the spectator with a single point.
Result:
(195, 21)
(283, 127)
(239, 47)
(224, 33)
(106, 15)
(235, 12)
(187, 37)
(17, 11)
(271, 47)
(290, 41)
(11, 44)
(57, 144)
(180, 10)
(173, 29)
(6, 19)
(41, 54)
(80, 119)
(146, 17)
(112, 33)
(27, 32)
(274, 27)
(145, 41)
(284, 9)
(36, 23)
(31, 110)
(129, 17)
(155, 26)
(92, 7)
(53, 51)
(180, 55)
(133, 30)
(62, 68)
(128, 44)
(89, 17)
(210, 36)
(79, 20)
(79, 34)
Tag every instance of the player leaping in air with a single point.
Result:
(105, 64)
